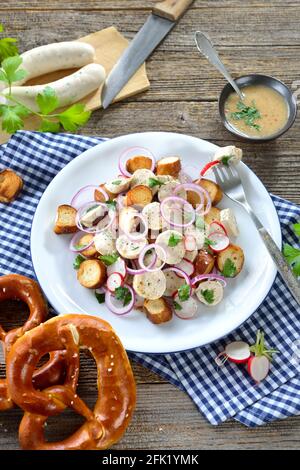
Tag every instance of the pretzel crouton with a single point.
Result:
(65, 220)
(139, 195)
(92, 273)
(158, 311)
(212, 215)
(138, 163)
(213, 189)
(99, 197)
(169, 166)
(230, 261)
(10, 186)
(91, 251)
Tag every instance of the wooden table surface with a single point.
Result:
(253, 36)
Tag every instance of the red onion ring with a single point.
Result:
(134, 152)
(212, 276)
(93, 229)
(152, 246)
(123, 310)
(181, 274)
(181, 201)
(76, 200)
(201, 193)
(75, 239)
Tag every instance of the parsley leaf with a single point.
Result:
(248, 114)
(100, 297)
(296, 228)
(9, 70)
(292, 255)
(208, 295)
(8, 46)
(174, 240)
(77, 262)
(123, 294)
(208, 242)
(116, 183)
(177, 306)
(152, 182)
(12, 117)
(111, 204)
(74, 117)
(225, 160)
(200, 222)
(49, 126)
(47, 101)
(108, 260)
(229, 269)
(184, 292)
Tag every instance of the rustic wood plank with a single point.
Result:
(154, 426)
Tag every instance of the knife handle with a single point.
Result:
(172, 9)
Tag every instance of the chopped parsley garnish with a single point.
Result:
(199, 223)
(152, 182)
(177, 306)
(248, 114)
(208, 295)
(108, 260)
(174, 240)
(117, 182)
(111, 204)
(229, 269)
(77, 261)
(226, 159)
(184, 292)
(100, 297)
(209, 242)
(291, 254)
(79, 247)
(123, 294)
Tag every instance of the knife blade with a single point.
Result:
(157, 26)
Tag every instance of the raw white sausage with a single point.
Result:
(68, 90)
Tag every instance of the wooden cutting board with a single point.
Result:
(109, 45)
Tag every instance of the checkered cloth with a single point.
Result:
(219, 393)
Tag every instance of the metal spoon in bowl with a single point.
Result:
(205, 46)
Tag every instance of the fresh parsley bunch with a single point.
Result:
(8, 46)
(13, 112)
(291, 254)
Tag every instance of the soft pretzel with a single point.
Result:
(106, 423)
(14, 286)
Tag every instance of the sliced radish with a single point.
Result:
(119, 266)
(190, 243)
(208, 166)
(217, 226)
(258, 367)
(114, 281)
(220, 241)
(186, 266)
(238, 352)
(187, 309)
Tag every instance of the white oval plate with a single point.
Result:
(53, 261)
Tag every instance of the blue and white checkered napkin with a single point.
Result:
(219, 393)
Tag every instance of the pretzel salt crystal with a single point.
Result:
(106, 423)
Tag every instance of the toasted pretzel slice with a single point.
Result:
(107, 422)
(10, 186)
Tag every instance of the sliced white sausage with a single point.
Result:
(191, 255)
(173, 282)
(105, 242)
(233, 153)
(210, 293)
(153, 216)
(174, 253)
(228, 219)
(118, 185)
(57, 56)
(91, 215)
(167, 190)
(141, 177)
(127, 221)
(150, 285)
(130, 249)
(198, 234)
(68, 90)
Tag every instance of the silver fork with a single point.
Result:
(230, 181)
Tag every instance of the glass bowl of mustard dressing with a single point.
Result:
(267, 111)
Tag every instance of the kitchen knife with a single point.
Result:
(159, 23)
